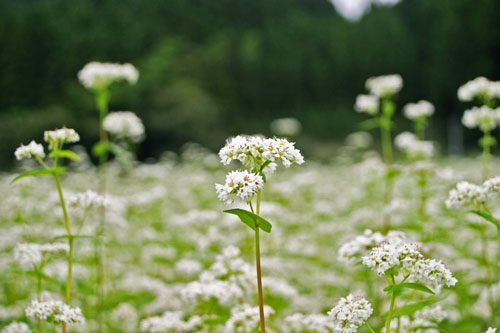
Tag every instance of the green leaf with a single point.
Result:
(40, 172)
(412, 308)
(393, 288)
(487, 217)
(120, 153)
(100, 149)
(417, 286)
(65, 154)
(369, 124)
(250, 219)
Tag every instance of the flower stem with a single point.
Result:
(259, 273)
(39, 328)
(486, 154)
(391, 309)
(385, 128)
(370, 328)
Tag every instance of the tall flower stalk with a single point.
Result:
(259, 158)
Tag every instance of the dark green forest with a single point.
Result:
(210, 69)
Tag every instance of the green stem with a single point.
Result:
(39, 328)
(486, 154)
(385, 133)
(259, 273)
(369, 327)
(391, 309)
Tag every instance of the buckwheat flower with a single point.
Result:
(382, 258)
(225, 292)
(492, 185)
(125, 316)
(491, 330)
(483, 117)
(87, 199)
(239, 184)
(385, 86)
(466, 194)
(245, 318)
(124, 124)
(286, 126)
(16, 327)
(98, 75)
(428, 316)
(432, 273)
(33, 149)
(314, 323)
(367, 104)
(479, 88)
(28, 255)
(188, 267)
(56, 312)
(414, 147)
(58, 137)
(422, 109)
(350, 313)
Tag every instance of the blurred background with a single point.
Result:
(212, 69)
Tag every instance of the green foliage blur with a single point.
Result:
(210, 69)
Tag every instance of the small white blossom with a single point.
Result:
(491, 330)
(239, 184)
(314, 323)
(58, 137)
(492, 185)
(480, 88)
(125, 316)
(124, 124)
(422, 109)
(414, 147)
(350, 313)
(30, 255)
(225, 292)
(245, 318)
(170, 322)
(384, 86)
(382, 258)
(97, 75)
(33, 149)
(466, 194)
(286, 126)
(55, 311)
(87, 200)
(484, 118)
(367, 104)
(16, 327)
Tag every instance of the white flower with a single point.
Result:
(245, 318)
(480, 88)
(254, 152)
(484, 118)
(430, 272)
(367, 104)
(30, 255)
(33, 149)
(124, 124)
(58, 137)
(225, 292)
(382, 258)
(286, 126)
(491, 330)
(466, 194)
(350, 313)
(125, 316)
(492, 185)
(170, 322)
(99, 75)
(385, 86)
(315, 323)
(55, 311)
(414, 147)
(418, 110)
(239, 184)
(188, 267)
(87, 200)
(16, 327)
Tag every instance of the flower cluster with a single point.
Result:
(254, 152)
(33, 149)
(30, 255)
(239, 184)
(350, 313)
(467, 194)
(368, 104)
(55, 311)
(87, 199)
(58, 137)
(422, 109)
(385, 86)
(245, 318)
(491, 330)
(170, 322)
(16, 327)
(484, 118)
(480, 88)
(207, 288)
(97, 75)
(124, 124)
(315, 323)
(413, 147)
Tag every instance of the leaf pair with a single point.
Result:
(40, 172)
(250, 219)
(487, 217)
(398, 288)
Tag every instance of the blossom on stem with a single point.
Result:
(483, 117)
(124, 124)
(414, 147)
(422, 109)
(466, 194)
(384, 86)
(87, 200)
(245, 318)
(98, 75)
(350, 313)
(16, 327)
(58, 137)
(30, 255)
(55, 311)
(480, 88)
(239, 184)
(33, 149)
(368, 104)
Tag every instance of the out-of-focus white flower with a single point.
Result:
(484, 118)
(360, 140)
(466, 194)
(350, 313)
(225, 292)
(58, 137)
(56, 312)
(245, 318)
(254, 152)
(125, 316)
(413, 147)
(170, 322)
(316, 323)
(87, 200)
(385, 86)
(422, 109)
(480, 88)
(286, 126)
(492, 185)
(30, 255)
(124, 124)
(367, 104)
(98, 75)
(352, 10)
(33, 149)
(491, 330)
(239, 184)
(16, 327)
(188, 267)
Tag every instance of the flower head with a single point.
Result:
(55, 311)
(367, 104)
(58, 137)
(245, 318)
(385, 86)
(124, 124)
(414, 147)
(350, 313)
(16, 327)
(87, 200)
(98, 75)
(466, 194)
(33, 149)
(484, 118)
(239, 184)
(30, 255)
(422, 109)
(480, 88)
